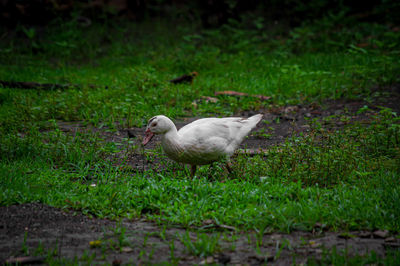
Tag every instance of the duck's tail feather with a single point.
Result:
(249, 124)
(253, 120)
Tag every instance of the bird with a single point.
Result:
(203, 141)
(131, 134)
(187, 78)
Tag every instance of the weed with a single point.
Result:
(39, 250)
(173, 259)
(262, 133)
(151, 253)
(335, 257)
(204, 245)
(146, 237)
(163, 235)
(142, 254)
(25, 248)
(87, 257)
(120, 232)
(280, 246)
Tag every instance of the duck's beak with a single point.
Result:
(147, 137)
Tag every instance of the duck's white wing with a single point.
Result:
(209, 139)
(206, 128)
(204, 143)
(229, 128)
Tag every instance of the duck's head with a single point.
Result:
(159, 124)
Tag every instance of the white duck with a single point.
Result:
(203, 141)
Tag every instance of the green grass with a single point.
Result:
(135, 62)
(346, 183)
(204, 245)
(345, 179)
(335, 257)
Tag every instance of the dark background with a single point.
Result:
(210, 13)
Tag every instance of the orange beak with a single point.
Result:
(147, 137)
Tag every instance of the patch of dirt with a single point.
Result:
(278, 124)
(69, 234)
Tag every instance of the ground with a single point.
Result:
(27, 228)
(69, 235)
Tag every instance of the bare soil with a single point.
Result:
(68, 234)
(26, 227)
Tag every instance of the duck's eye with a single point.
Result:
(154, 124)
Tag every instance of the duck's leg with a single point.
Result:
(211, 170)
(193, 170)
(229, 166)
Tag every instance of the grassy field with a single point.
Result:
(345, 179)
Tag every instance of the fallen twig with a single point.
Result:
(252, 152)
(239, 94)
(25, 260)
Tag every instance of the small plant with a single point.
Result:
(204, 245)
(142, 253)
(173, 258)
(280, 246)
(146, 237)
(163, 235)
(259, 235)
(262, 133)
(87, 257)
(40, 250)
(337, 257)
(151, 253)
(25, 248)
(120, 232)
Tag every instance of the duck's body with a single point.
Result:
(203, 141)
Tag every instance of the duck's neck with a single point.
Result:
(171, 137)
(171, 142)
